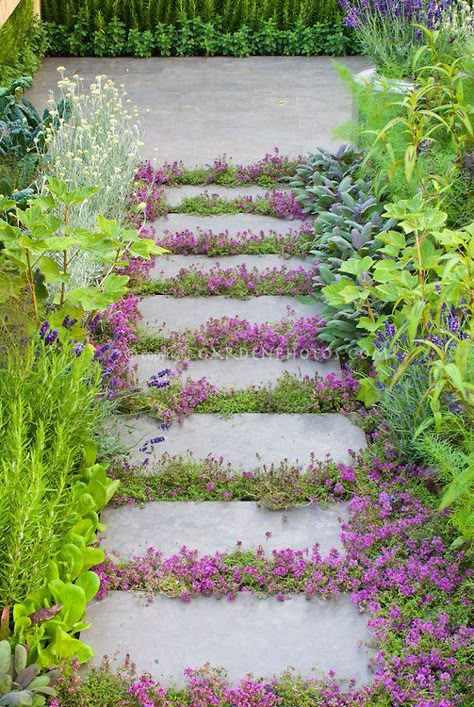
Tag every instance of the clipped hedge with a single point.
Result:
(22, 43)
(195, 37)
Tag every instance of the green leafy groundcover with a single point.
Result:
(21, 43)
(195, 37)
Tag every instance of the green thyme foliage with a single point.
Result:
(22, 43)
(188, 479)
(48, 411)
(288, 395)
(195, 37)
(213, 205)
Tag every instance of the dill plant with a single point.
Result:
(49, 410)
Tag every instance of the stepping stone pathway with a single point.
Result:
(251, 633)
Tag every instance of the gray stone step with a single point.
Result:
(247, 635)
(245, 441)
(233, 223)
(212, 527)
(235, 373)
(169, 266)
(162, 313)
(175, 195)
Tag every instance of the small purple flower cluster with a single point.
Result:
(113, 331)
(239, 280)
(209, 243)
(272, 165)
(235, 336)
(280, 204)
(192, 394)
(147, 692)
(336, 388)
(210, 687)
(168, 174)
(48, 335)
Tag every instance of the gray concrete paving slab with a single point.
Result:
(245, 441)
(212, 527)
(175, 195)
(231, 223)
(196, 108)
(162, 314)
(168, 266)
(248, 635)
(235, 373)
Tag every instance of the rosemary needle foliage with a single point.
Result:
(49, 409)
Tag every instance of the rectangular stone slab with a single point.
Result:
(195, 108)
(235, 373)
(248, 635)
(162, 314)
(168, 266)
(245, 441)
(174, 195)
(233, 223)
(212, 527)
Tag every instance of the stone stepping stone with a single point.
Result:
(233, 223)
(235, 373)
(163, 314)
(217, 526)
(175, 195)
(247, 635)
(169, 266)
(245, 441)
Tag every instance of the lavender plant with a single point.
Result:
(389, 31)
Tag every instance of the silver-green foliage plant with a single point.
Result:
(99, 143)
(348, 221)
(20, 682)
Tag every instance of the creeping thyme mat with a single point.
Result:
(398, 566)
(168, 398)
(240, 281)
(295, 242)
(233, 336)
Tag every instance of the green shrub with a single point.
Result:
(194, 35)
(22, 43)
